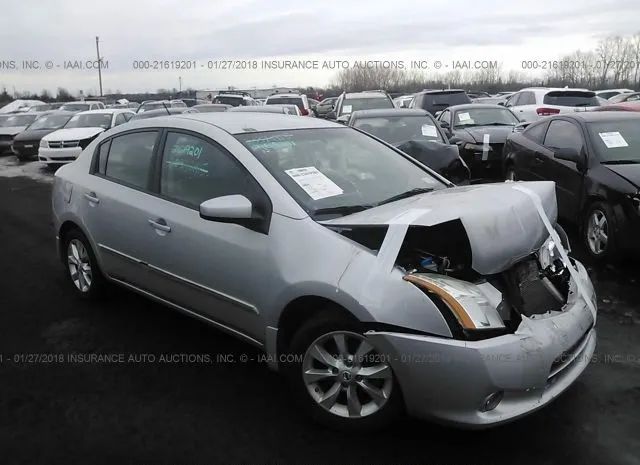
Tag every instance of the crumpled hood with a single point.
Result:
(11, 130)
(497, 134)
(72, 134)
(502, 223)
(630, 172)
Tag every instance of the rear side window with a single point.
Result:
(194, 170)
(445, 99)
(536, 132)
(286, 101)
(527, 98)
(130, 157)
(563, 135)
(571, 99)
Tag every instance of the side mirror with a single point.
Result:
(571, 154)
(502, 104)
(331, 114)
(226, 209)
(444, 124)
(343, 119)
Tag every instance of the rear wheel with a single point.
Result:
(340, 378)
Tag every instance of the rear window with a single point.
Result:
(571, 99)
(445, 99)
(354, 104)
(228, 100)
(285, 101)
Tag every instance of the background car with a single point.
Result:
(532, 103)
(324, 107)
(623, 106)
(594, 159)
(191, 102)
(478, 94)
(164, 112)
(347, 103)
(11, 125)
(211, 107)
(149, 105)
(26, 143)
(608, 93)
(234, 98)
(403, 101)
(434, 101)
(64, 145)
(300, 100)
(81, 106)
(625, 97)
(291, 109)
(480, 132)
(416, 133)
(214, 215)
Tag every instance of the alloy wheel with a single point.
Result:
(79, 265)
(346, 376)
(597, 232)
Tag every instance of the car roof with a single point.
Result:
(471, 106)
(380, 112)
(290, 94)
(442, 91)
(597, 116)
(365, 94)
(110, 111)
(246, 122)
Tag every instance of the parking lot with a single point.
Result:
(148, 394)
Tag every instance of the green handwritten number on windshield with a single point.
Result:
(189, 150)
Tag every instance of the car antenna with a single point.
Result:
(164, 104)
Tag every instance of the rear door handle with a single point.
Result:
(91, 197)
(160, 224)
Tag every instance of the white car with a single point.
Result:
(299, 100)
(85, 105)
(608, 93)
(64, 145)
(532, 103)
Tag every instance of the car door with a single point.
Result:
(115, 204)
(208, 267)
(529, 154)
(564, 134)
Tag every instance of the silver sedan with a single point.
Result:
(372, 283)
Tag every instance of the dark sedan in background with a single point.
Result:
(417, 134)
(11, 125)
(594, 159)
(434, 101)
(26, 143)
(480, 132)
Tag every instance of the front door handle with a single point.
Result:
(160, 225)
(91, 197)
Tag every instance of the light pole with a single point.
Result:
(99, 64)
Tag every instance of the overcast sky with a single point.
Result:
(285, 29)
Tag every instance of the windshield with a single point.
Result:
(616, 141)
(571, 99)
(50, 122)
(484, 117)
(398, 129)
(17, 120)
(75, 107)
(354, 104)
(227, 100)
(336, 169)
(90, 120)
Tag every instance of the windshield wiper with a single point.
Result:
(341, 210)
(621, 162)
(409, 193)
(498, 124)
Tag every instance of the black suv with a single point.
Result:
(435, 101)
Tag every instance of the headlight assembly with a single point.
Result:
(44, 144)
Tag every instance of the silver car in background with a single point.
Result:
(373, 283)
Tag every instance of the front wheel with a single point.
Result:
(340, 378)
(599, 232)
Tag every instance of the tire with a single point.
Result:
(81, 266)
(510, 173)
(365, 412)
(599, 232)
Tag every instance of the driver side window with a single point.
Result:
(563, 135)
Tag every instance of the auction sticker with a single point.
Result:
(613, 140)
(464, 116)
(314, 183)
(429, 130)
(347, 109)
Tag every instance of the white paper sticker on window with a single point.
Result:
(485, 147)
(314, 183)
(346, 109)
(429, 130)
(613, 140)
(464, 116)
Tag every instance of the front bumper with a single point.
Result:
(26, 148)
(449, 380)
(58, 156)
